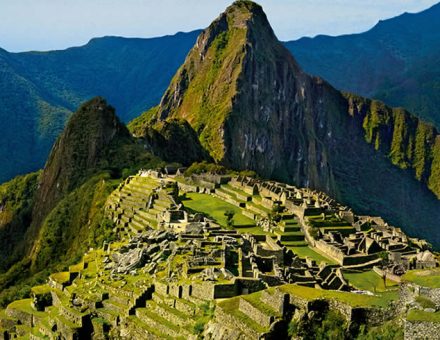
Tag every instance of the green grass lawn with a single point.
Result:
(354, 300)
(25, 306)
(304, 252)
(42, 289)
(419, 315)
(61, 277)
(252, 230)
(215, 208)
(369, 280)
(425, 277)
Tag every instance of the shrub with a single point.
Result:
(205, 167)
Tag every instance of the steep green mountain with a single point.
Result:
(40, 90)
(16, 197)
(49, 219)
(254, 108)
(396, 61)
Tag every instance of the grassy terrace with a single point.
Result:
(234, 189)
(61, 277)
(426, 277)
(231, 306)
(254, 300)
(369, 280)
(352, 299)
(419, 315)
(25, 306)
(306, 251)
(258, 206)
(42, 289)
(215, 208)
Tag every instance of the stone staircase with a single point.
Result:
(137, 205)
(289, 232)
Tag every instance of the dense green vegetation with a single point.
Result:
(173, 140)
(332, 325)
(205, 167)
(140, 125)
(16, 202)
(390, 330)
(324, 326)
(76, 223)
(409, 142)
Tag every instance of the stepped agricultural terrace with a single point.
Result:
(226, 257)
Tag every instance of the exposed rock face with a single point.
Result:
(254, 108)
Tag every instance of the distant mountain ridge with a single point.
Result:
(40, 90)
(396, 61)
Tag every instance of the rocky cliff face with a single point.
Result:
(254, 108)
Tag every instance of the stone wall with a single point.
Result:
(183, 187)
(249, 285)
(298, 302)
(203, 291)
(222, 291)
(390, 276)
(228, 320)
(409, 291)
(73, 316)
(432, 293)
(421, 330)
(330, 251)
(296, 209)
(161, 288)
(357, 260)
(277, 300)
(255, 314)
(25, 318)
(175, 290)
(342, 259)
(345, 310)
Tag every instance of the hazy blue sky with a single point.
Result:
(56, 24)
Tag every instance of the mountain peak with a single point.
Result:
(80, 150)
(231, 57)
(250, 15)
(242, 10)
